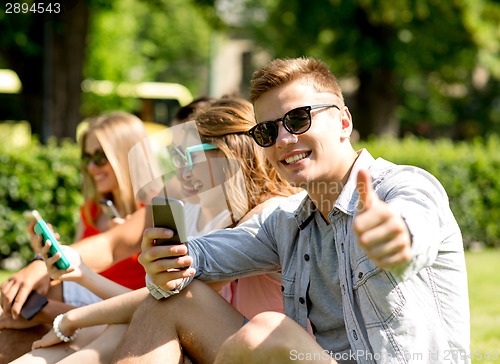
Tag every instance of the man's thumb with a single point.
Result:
(365, 190)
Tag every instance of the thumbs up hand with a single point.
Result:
(367, 194)
(382, 233)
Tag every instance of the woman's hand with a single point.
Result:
(36, 240)
(77, 270)
(47, 340)
(51, 338)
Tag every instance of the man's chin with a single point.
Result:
(298, 181)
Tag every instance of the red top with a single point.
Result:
(128, 272)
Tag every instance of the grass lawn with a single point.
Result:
(4, 275)
(484, 293)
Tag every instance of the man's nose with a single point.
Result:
(285, 137)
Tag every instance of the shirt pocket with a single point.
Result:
(287, 291)
(379, 297)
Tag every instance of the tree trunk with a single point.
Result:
(27, 65)
(66, 60)
(375, 104)
(51, 72)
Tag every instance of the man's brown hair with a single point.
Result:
(281, 71)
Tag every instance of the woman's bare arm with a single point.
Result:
(116, 310)
(103, 250)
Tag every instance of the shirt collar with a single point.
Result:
(347, 200)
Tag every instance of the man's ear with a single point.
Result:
(346, 123)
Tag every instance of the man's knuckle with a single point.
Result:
(406, 255)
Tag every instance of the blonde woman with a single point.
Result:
(106, 176)
(106, 244)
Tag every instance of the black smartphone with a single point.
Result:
(34, 304)
(110, 208)
(169, 213)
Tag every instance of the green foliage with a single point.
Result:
(468, 172)
(138, 40)
(4, 275)
(45, 178)
(432, 51)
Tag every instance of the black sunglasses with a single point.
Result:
(295, 121)
(98, 158)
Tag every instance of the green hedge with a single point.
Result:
(48, 178)
(469, 171)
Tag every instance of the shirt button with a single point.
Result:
(306, 257)
(282, 289)
(360, 275)
(302, 300)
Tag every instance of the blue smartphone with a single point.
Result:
(41, 228)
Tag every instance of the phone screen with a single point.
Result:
(34, 304)
(169, 213)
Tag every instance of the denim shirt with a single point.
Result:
(418, 313)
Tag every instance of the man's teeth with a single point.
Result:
(295, 158)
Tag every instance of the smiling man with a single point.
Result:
(370, 254)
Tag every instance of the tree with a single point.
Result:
(139, 40)
(47, 50)
(409, 59)
(150, 40)
(126, 40)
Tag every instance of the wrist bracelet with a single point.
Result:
(36, 257)
(58, 332)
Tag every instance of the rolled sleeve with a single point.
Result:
(227, 254)
(160, 293)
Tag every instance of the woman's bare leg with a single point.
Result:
(57, 352)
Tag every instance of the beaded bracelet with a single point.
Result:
(58, 332)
